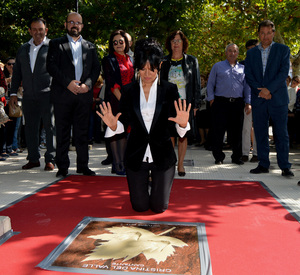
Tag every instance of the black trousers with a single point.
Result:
(35, 109)
(72, 111)
(227, 115)
(155, 196)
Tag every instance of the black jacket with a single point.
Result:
(36, 82)
(159, 136)
(192, 77)
(61, 67)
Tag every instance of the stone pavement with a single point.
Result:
(16, 183)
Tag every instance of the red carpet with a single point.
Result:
(248, 231)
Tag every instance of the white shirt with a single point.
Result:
(292, 97)
(34, 50)
(147, 111)
(76, 48)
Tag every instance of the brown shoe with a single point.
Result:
(30, 165)
(244, 158)
(49, 166)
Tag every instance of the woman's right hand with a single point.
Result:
(107, 116)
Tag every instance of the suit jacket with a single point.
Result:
(61, 67)
(159, 136)
(36, 82)
(274, 79)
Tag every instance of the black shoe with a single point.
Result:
(107, 161)
(259, 169)
(86, 172)
(254, 159)
(244, 158)
(62, 173)
(218, 162)
(287, 173)
(208, 147)
(298, 183)
(237, 161)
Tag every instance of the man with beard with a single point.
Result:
(73, 63)
(30, 72)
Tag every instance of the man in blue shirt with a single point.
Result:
(227, 92)
(267, 68)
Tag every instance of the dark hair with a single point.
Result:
(296, 78)
(111, 46)
(251, 42)
(184, 39)
(9, 58)
(38, 19)
(147, 49)
(266, 23)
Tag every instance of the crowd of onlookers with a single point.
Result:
(12, 137)
(117, 71)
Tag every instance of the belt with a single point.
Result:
(228, 99)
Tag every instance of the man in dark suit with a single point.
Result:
(74, 66)
(30, 72)
(266, 69)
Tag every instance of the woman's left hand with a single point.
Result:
(182, 113)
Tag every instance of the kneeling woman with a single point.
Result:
(148, 105)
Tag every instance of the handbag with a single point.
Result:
(3, 116)
(15, 111)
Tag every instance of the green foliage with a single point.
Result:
(15, 16)
(223, 22)
(209, 25)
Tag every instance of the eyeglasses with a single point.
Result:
(116, 42)
(74, 23)
(178, 41)
(10, 64)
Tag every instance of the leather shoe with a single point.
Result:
(30, 165)
(254, 159)
(107, 161)
(49, 166)
(237, 161)
(86, 171)
(62, 172)
(259, 169)
(287, 173)
(218, 162)
(244, 158)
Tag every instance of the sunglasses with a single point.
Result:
(116, 42)
(10, 64)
